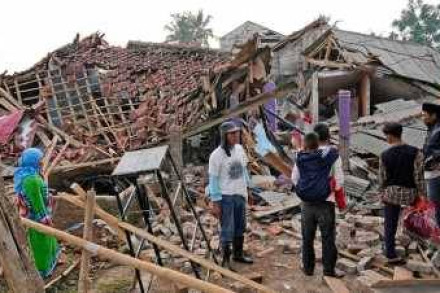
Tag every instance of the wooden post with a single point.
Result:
(84, 282)
(315, 98)
(176, 146)
(20, 273)
(365, 95)
(125, 260)
(344, 127)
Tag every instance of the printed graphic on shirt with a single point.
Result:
(235, 170)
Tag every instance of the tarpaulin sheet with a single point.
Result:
(8, 124)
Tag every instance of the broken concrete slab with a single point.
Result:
(346, 265)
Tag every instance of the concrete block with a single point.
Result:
(364, 263)
(347, 266)
(418, 266)
(412, 248)
(265, 252)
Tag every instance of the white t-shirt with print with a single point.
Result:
(230, 170)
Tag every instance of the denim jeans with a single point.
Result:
(434, 196)
(233, 219)
(322, 215)
(392, 214)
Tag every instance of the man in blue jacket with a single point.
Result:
(228, 184)
(310, 176)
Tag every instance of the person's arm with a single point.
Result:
(295, 174)
(418, 175)
(214, 179)
(33, 188)
(382, 174)
(339, 173)
(433, 144)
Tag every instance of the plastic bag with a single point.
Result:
(341, 201)
(420, 219)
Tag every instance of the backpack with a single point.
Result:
(314, 172)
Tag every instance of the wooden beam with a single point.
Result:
(84, 281)
(331, 64)
(315, 98)
(336, 285)
(365, 95)
(122, 259)
(243, 107)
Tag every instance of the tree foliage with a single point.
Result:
(187, 28)
(419, 22)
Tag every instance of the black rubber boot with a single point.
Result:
(239, 255)
(226, 261)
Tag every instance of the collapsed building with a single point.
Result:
(88, 103)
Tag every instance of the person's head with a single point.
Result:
(323, 132)
(31, 157)
(393, 132)
(291, 116)
(28, 164)
(311, 141)
(230, 133)
(430, 113)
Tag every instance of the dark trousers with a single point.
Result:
(434, 196)
(322, 215)
(392, 214)
(233, 219)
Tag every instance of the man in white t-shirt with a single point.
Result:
(228, 183)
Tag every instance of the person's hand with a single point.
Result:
(217, 209)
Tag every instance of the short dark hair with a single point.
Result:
(311, 141)
(323, 132)
(393, 128)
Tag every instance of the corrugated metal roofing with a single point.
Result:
(396, 105)
(407, 59)
(365, 143)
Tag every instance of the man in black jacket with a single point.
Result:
(431, 152)
(401, 181)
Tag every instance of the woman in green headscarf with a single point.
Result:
(35, 203)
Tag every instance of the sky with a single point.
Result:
(30, 29)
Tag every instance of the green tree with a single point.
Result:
(419, 22)
(187, 27)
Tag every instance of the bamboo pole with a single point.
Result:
(56, 160)
(84, 282)
(111, 220)
(122, 259)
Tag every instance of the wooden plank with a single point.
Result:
(315, 98)
(406, 283)
(17, 91)
(400, 273)
(63, 275)
(336, 285)
(84, 283)
(10, 99)
(275, 210)
(122, 259)
(331, 64)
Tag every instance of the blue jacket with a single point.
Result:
(314, 172)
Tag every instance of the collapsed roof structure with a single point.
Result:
(374, 69)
